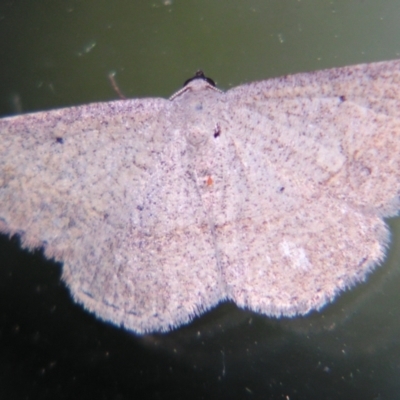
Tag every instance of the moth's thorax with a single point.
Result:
(198, 110)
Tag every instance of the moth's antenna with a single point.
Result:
(111, 77)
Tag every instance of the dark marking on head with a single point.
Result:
(200, 75)
(281, 189)
(59, 140)
(342, 98)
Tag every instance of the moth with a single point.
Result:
(271, 194)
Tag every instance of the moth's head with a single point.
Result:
(199, 82)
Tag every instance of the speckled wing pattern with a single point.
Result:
(271, 194)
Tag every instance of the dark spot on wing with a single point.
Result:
(217, 131)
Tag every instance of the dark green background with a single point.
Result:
(59, 53)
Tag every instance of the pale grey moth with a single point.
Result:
(271, 194)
